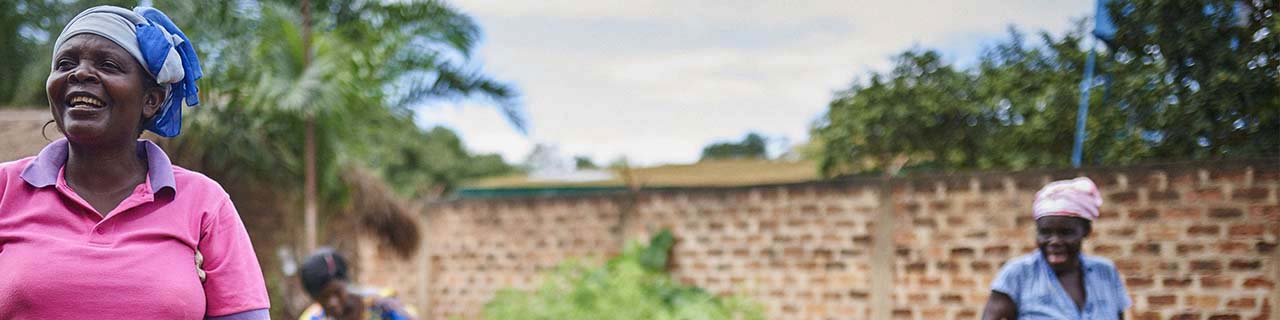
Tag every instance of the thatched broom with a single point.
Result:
(381, 212)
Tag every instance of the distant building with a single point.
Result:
(714, 173)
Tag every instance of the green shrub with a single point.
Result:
(633, 285)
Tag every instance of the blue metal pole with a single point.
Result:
(1083, 113)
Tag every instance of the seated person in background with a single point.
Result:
(1057, 281)
(325, 277)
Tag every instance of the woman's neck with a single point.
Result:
(104, 169)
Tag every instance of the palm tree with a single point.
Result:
(369, 63)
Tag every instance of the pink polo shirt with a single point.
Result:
(61, 259)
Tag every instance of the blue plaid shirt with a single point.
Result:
(1034, 288)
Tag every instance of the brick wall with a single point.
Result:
(1193, 241)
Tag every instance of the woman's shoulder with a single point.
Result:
(13, 167)
(11, 170)
(1098, 262)
(193, 181)
(1022, 262)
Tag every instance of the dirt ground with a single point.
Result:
(20, 132)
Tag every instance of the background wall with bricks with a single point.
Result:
(1192, 240)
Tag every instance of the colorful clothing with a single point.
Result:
(1035, 289)
(62, 259)
(379, 305)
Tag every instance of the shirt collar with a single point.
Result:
(43, 171)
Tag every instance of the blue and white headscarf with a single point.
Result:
(157, 44)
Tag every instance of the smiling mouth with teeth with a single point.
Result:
(82, 100)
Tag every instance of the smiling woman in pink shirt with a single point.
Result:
(99, 225)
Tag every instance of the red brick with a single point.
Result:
(951, 299)
(1203, 302)
(975, 205)
(1246, 230)
(996, 251)
(1184, 213)
(1206, 194)
(1242, 303)
(1177, 283)
(902, 313)
(939, 206)
(1162, 196)
(1266, 247)
(930, 282)
(1245, 265)
(1124, 197)
(1144, 214)
(1264, 212)
(1214, 282)
(1137, 282)
(1122, 232)
(1163, 232)
(916, 267)
(1146, 248)
(1128, 265)
(1225, 317)
(1224, 213)
(1232, 247)
(1149, 315)
(1256, 283)
(1186, 316)
(1205, 265)
(1106, 249)
(1203, 231)
(962, 252)
(1184, 249)
(1255, 193)
(1163, 300)
(980, 266)
(910, 207)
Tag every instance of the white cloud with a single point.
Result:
(658, 80)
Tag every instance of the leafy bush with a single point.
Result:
(633, 285)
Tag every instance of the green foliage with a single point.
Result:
(371, 63)
(1172, 87)
(1212, 89)
(417, 162)
(633, 285)
(27, 31)
(904, 112)
(752, 146)
(584, 163)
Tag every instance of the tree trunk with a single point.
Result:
(309, 151)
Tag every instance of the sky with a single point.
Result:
(655, 81)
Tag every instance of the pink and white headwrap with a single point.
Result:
(1077, 197)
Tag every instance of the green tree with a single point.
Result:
(27, 30)
(1213, 91)
(372, 63)
(584, 163)
(923, 110)
(1185, 80)
(752, 146)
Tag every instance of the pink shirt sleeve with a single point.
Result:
(234, 280)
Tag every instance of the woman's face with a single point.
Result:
(98, 92)
(1059, 239)
(338, 303)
